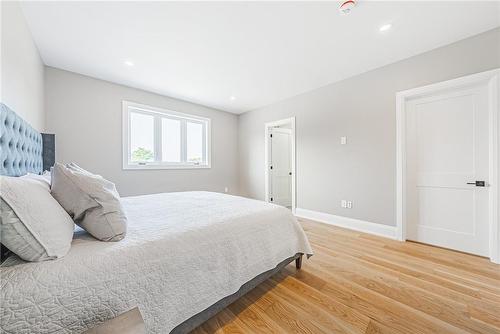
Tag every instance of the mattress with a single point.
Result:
(183, 252)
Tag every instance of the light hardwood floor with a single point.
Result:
(359, 283)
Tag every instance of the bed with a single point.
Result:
(186, 256)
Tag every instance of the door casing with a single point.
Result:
(492, 80)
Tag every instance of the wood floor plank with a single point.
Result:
(488, 286)
(253, 317)
(289, 318)
(446, 309)
(427, 282)
(377, 328)
(358, 283)
(298, 289)
(225, 323)
(486, 316)
(329, 321)
(382, 308)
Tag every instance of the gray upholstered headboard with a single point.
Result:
(21, 150)
(21, 146)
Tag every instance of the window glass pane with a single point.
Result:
(141, 137)
(170, 140)
(194, 142)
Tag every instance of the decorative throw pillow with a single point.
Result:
(92, 201)
(32, 224)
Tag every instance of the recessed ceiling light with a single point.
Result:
(128, 63)
(385, 27)
(232, 98)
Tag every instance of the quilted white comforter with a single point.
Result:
(183, 252)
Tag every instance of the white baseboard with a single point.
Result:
(349, 223)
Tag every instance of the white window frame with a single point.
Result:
(159, 113)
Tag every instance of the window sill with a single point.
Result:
(152, 166)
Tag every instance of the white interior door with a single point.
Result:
(447, 149)
(280, 169)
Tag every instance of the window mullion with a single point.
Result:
(157, 138)
(183, 141)
(129, 135)
(204, 143)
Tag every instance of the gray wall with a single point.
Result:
(21, 67)
(86, 116)
(363, 109)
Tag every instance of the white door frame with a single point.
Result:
(492, 79)
(267, 126)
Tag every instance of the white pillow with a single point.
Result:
(32, 224)
(92, 201)
(45, 177)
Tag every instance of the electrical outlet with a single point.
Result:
(349, 204)
(343, 140)
(226, 189)
(343, 203)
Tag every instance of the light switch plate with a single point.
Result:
(343, 140)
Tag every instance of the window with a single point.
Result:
(154, 138)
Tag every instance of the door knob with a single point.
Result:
(478, 183)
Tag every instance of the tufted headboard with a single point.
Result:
(21, 146)
(22, 150)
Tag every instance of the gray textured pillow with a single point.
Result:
(91, 200)
(32, 224)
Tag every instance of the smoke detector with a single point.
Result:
(346, 7)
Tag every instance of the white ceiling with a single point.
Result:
(258, 52)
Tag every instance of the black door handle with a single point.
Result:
(478, 183)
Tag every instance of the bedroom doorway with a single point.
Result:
(448, 164)
(280, 163)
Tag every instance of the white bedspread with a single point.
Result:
(182, 253)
